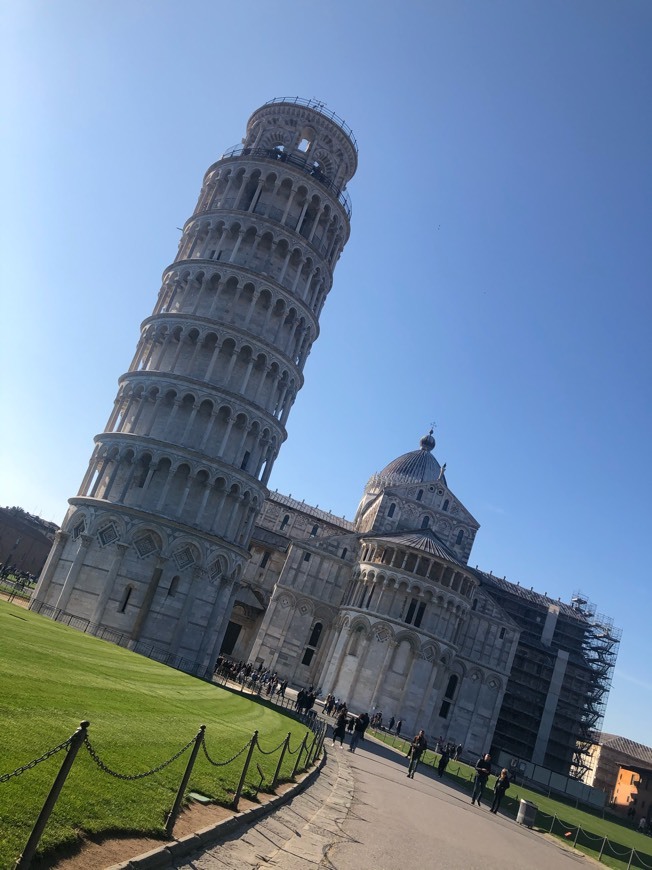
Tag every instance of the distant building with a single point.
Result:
(633, 792)
(607, 755)
(25, 540)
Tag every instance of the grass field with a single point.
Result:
(622, 836)
(141, 713)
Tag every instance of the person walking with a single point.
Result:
(417, 748)
(482, 771)
(399, 725)
(359, 726)
(443, 761)
(500, 787)
(340, 726)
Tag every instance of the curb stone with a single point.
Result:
(164, 854)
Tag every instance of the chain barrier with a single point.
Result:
(93, 754)
(627, 853)
(271, 751)
(294, 751)
(224, 763)
(44, 757)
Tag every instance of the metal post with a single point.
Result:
(577, 833)
(280, 761)
(252, 746)
(312, 746)
(604, 843)
(75, 742)
(174, 812)
(300, 753)
(552, 823)
(631, 858)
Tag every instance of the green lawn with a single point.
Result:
(141, 713)
(622, 836)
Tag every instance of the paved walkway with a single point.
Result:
(364, 813)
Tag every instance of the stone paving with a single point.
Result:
(363, 812)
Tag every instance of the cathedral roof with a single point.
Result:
(418, 466)
(420, 539)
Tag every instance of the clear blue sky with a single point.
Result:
(497, 279)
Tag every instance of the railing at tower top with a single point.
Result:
(320, 107)
(300, 163)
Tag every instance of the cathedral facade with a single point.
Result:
(383, 612)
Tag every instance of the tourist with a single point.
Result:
(443, 761)
(482, 771)
(340, 726)
(359, 725)
(417, 748)
(500, 787)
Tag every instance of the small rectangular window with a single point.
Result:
(265, 559)
(306, 557)
(502, 633)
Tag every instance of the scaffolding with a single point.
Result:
(599, 651)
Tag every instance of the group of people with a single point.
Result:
(482, 772)
(261, 681)
(357, 725)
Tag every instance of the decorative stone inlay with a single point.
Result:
(215, 571)
(145, 546)
(184, 558)
(107, 535)
(382, 634)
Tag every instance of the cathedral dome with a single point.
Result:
(418, 466)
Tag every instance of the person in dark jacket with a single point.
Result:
(501, 786)
(340, 726)
(359, 727)
(443, 761)
(417, 748)
(482, 771)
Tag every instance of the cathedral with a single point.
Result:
(174, 546)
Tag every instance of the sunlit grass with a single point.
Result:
(141, 713)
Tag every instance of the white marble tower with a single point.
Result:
(154, 544)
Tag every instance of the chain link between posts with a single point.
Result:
(294, 751)
(228, 761)
(44, 757)
(93, 754)
(271, 751)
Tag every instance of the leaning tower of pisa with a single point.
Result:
(153, 545)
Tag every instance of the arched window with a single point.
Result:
(314, 531)
(126, 595)
(460, 536)
(315, 634)
(392, 508)
(449, 696)
(285, 521)
(425, 522)
(444, 507)
(355, 641)
(420, 495)
(344, 552)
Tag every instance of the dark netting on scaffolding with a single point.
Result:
(599, 651)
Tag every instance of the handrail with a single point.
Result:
(320, 107)
(305, 165)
